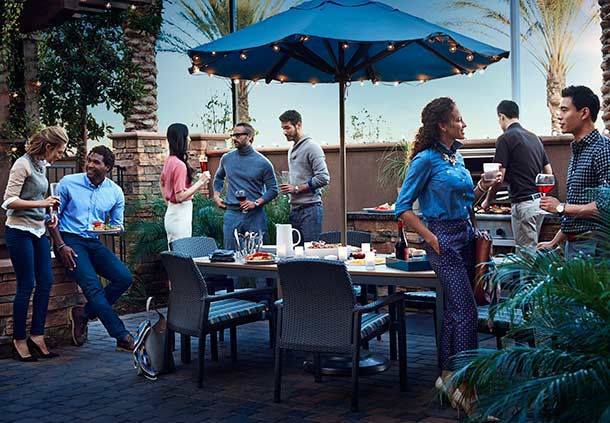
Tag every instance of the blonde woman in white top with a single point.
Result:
(28, 212)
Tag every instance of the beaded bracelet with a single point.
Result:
(480, 187)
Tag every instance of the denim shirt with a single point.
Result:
(445, 191)
(83, 203)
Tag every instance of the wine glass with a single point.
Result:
(545, 183)
(240, 194)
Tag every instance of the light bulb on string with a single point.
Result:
(453, 48)
(344, 46)
(470, 57)
(362, 82)
(482, 71)
(276, 47)
(396, 83)
(133, 7)
(391, 47)
(469, 74)
(243, 56)
(213, 53)
(108, 5)
(236, 81)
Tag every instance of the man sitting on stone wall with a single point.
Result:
(87, 199)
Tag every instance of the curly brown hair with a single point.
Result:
(437, 111)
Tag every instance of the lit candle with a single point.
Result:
(366, 247)
(342, 252)
(369, 260)
(281, 251)
(299, 251)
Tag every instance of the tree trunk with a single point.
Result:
(242, 102)
(555, 82)
(143, 115)
(605, 39)
(81, 150)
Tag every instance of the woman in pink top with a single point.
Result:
(176, 184)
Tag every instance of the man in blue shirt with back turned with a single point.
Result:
(87, 198)
(247, 170)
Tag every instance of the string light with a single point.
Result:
(396, 83)
(452, 48)
(344, 46)
(236, 80)
(213, 53)
(243, 56)
(256, 82)
(313, 85)
(108, 5)
(482, 71)
(431, 40)
(375, 82)
(304, 38)
(36, 84)
(15, 94)
(133, 7)
(470, 57)
(196, 59)
(362, 82)
(390, 46)
(456, 71)
(195, 69)
(276, 47)
(469, 74)
(13, 149)
(282, 78)
(210, 73)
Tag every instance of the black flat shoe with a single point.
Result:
(34, 347)
(19, 357)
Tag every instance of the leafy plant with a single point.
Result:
(278, 211)
(216, 116)
(393, 164)
(566, 376)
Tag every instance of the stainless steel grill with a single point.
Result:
(499, 228)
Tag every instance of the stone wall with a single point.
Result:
(64, 294)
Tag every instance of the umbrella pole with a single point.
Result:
(342, 156)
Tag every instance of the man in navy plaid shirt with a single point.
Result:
(588, 171)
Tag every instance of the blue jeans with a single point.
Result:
(31, 258)
(308, 220)
(587, 247)
(253, 221)
(94, 258)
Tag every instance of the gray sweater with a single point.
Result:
(27, 181)
(307, 164)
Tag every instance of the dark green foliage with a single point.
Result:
(565, 377)
(83, 63)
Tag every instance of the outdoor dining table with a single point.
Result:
(382, 275)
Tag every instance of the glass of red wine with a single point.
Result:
(240, 194)
(203, 163)
(545, 183)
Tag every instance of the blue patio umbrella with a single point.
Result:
(328, 41)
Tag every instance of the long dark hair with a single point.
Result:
(177, 134)
(437, 111)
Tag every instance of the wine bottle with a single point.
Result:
(401, 248)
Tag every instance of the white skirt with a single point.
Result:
(178, 220)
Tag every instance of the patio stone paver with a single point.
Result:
(98, 384)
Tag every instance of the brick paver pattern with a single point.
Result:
(95, 383)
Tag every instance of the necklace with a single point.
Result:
(450, 158)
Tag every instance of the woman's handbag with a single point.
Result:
(150, 355)
(483, 288)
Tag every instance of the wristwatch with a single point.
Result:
(296, 189)
(257, 203)
(560, 208)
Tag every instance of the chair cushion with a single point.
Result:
(372, 322)
(232, 308)
(420, 295)
(502, 319)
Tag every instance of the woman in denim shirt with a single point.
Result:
(438, 178)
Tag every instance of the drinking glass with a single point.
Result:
(545, 183)
(240, 194)
(52, 190)
(203, 163)
(490, 170)
(285, 177)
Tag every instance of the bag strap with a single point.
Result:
(149, 301)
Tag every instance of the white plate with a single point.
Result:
(323, 252)
(374, 210)
(105, 231)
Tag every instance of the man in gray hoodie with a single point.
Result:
(308, 174)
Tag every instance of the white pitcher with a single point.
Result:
(284, 244)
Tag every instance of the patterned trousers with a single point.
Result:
(454, 267)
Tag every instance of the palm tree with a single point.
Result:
(565, 377)
(604, 7)
(211, 19)
(141, 31)
(550, 31)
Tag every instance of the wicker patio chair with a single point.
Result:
(192, 312)
(354, 238)
(201, 246)
(318, 314)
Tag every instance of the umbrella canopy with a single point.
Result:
(328, 41)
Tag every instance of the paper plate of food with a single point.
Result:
(260, 257)
(104, 228)
(362, 262)
(382, 208)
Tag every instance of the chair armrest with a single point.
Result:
(241, 293)
(279, 303)
(374, 306)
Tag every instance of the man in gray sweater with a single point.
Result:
(308, 174)
(249, 172)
